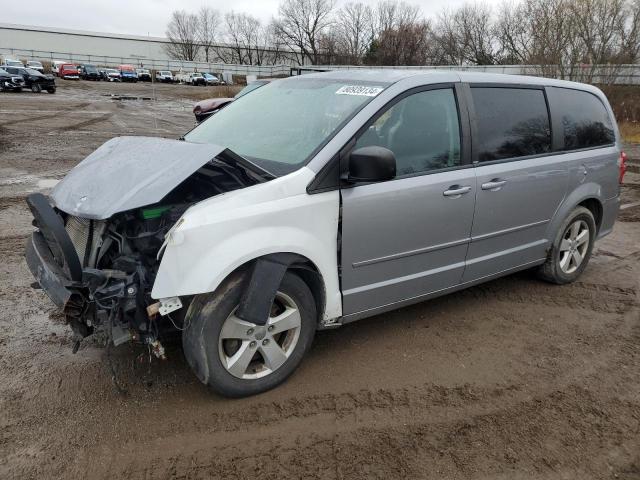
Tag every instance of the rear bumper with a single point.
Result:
(47, 273)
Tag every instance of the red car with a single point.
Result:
(205, 108)
(68, 71)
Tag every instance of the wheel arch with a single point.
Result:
(588, 195)
(299, 264)
(594, 205)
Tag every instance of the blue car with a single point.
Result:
(128, 73)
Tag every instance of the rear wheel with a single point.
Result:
(571, 249)
(51, 90)
(237, 358)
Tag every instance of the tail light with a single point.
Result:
(622, 165)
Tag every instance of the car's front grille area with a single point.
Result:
(85, 236)
(78, 230)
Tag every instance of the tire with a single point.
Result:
(211, 357)
(561, 266)
(51, 90)
(36, 88)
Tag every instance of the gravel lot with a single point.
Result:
(511, 379)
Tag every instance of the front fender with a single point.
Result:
(222, 235)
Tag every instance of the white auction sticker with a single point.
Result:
(359, 90)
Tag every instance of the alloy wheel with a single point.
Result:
(250, 351)
(574, 246)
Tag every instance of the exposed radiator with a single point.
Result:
(79, 232)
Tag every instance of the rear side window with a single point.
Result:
(512, 122)
(584, 121)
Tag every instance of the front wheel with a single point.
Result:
(571, 249)
(36, 88)
(237, 358)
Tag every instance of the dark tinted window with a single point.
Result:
(422, 130)
(512, 122)
(584, 121)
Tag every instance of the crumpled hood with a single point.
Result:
(129, 172)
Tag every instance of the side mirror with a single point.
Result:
(371, 164)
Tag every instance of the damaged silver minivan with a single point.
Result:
(320, 200)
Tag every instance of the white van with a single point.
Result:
(55, 66)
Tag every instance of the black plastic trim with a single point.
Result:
(266, 277)
(53, 231)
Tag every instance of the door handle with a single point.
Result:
(456, 191)
(494, 185)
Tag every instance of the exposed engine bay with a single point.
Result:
(100, 271)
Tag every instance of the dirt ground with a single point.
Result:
(511, 379)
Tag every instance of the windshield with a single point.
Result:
(34, 64)
(249, 88)
(14, 63)
(90, 68)
(3, 72)
(280, 125)
(166, 74)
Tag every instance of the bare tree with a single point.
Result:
(353, 31)
(513, 33)
(182, 32)
(467, 35)
(208, 25)
(401, 35)
(245, 39)
(301, 24)
(391, 14)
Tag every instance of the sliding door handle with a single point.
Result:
(494, 185)
(456, 191)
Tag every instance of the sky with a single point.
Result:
(149, 17)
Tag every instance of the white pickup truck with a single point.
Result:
(191, 78)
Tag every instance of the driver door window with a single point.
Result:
(422, 130)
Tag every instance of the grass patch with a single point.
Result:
(630, 132)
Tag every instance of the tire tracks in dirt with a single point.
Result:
(390, 440)
(86, 123)
(62, 112)
(579, 295)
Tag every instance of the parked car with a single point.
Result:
(88, 71)
(35, 65)
(10, 62)
(211, 79)
(205, 108)
(68, 71)
(9, 82)
(144, 75)
(192, 78)
(128, 73)
(33, 79)
(164, 76)
(110, 75)
(55, 66)
(322, 199)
